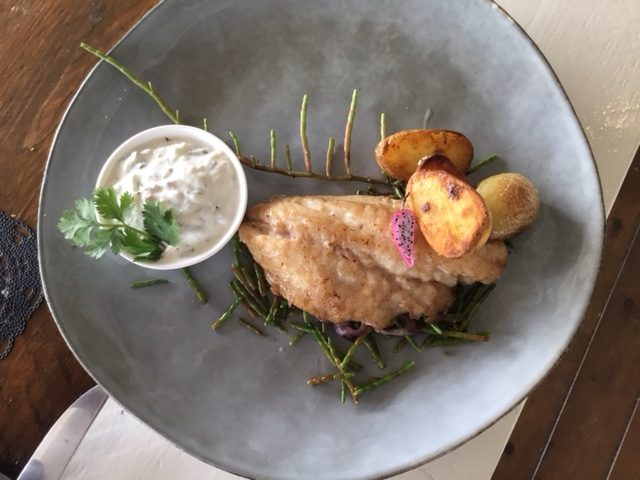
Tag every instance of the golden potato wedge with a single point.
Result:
(513, 202)
(398, 154)
(439, 162)
(451, 215)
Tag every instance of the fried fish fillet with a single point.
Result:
(333, 257)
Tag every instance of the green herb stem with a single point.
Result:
(378, 381)
(273, 144)
(472, 337)
(235, 250)
(236, 143)
(296, 338)
(303, 134)
(287, 159)
(252, 295)
(481, 163)
(240, 292)
(329, 377)
(372, 347)
(352, 349)
(435, 328)
(252, 328)
(331, 353)
(272, 311)
(252, 313)
(474, 305)
(351, 116)
(432, 341)
(304, 328)
(413, 343)
(149, 282)
(108, 226)
(309, 174)
(245, 279)
(197, 288)
(263, 286)
(226, 314)
(329, 161)
(147, 87)
(400, 345)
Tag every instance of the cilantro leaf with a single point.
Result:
(100, 241)
(143, 248)
(109, 206)
(81, 226)
(117, 241)
(126, 204)
(159, 224)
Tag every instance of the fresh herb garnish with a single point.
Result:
(113, 231)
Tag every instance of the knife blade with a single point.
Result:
(53, 454)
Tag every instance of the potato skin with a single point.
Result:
(398, 154)
(513, 201)
(451, 215)
(439, 162)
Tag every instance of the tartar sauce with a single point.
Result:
(198, 183)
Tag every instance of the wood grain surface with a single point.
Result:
(41, 68)
(574, 425)
(582, 422)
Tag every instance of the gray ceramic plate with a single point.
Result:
(241, 402)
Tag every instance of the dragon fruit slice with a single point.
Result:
(403, 232)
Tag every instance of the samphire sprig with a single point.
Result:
(251, 161)
(253, 293)
(308, 172)
(254, 163)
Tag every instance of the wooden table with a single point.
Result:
(582, 422)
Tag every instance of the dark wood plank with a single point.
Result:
(604, 393)
(626, 464)
(42, 67)
(533, 431)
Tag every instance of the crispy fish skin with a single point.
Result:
(333, 257)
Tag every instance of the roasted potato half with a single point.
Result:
(439, 162)
(513, 202)
(451, 215)
(398, 154)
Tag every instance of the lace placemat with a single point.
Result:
(20, 286)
